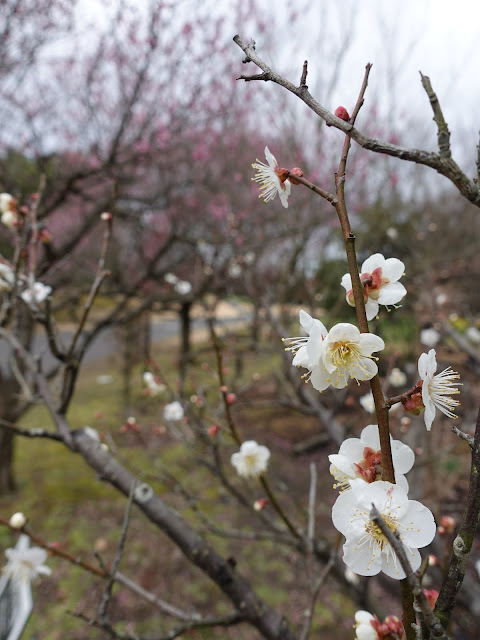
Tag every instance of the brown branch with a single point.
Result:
(443, 134)
(303, 79)
(445, 166)
(462, 544)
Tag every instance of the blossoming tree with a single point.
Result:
(380, 529)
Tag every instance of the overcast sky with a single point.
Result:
(401, 38)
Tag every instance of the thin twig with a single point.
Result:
(462, 544)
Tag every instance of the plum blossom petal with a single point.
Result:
(366, 550)
(251, 460)
(437, 389)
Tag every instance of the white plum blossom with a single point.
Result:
(360, 459)
(251, 460)
(379, 277)
(7, 202)
(397, 378)
(182, 287)
(153, 386)
(335, 356)
(9, 219)
(27, 564)
(173, 411)
(363, 627)
(308, 349)
(347, 354)
(270, 182)
(366, 550)
(7, 277)
(437, 389)
(37, 294)
(429, 337)
(473, 334)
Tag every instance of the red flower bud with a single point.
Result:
(213, 430)
(230, 398)
(414, 404)
(260, 504)
(342, 113)
(296, 171)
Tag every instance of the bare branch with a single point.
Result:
(443, 165)
(443, 135)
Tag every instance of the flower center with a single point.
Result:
(370, 468)
(373, 530)
(250, 460)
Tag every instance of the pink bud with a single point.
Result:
(260, 504)
(213, 430)
(342, 113)
(282, 174)
(448, 524)
(296, 171)
(106, 216)
(230, 398)
(414, 404)
(431, 595)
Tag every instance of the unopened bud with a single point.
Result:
(448, 524)
(230, 398)
(414, 404)
(106, 216)
(213, 431)
(433, 561)
(342, 113)
(431, 595)
(260, 504)
(296, 171)
(18, 520)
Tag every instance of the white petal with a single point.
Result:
(370, 437)
(365, 370)
(343, 331)
(393, 269)
(391, 564)
(427, 364)
(270, 158)
(391, 293)
(366, 632)
(363, 617)
(403, 456)
(369, 343)
(306, 320)
(362, 559)
(371, 308)
(301, 358)
(346, 282)
(373, 262)
(319, 377)
(401, 481)
(353, 448)
(419, 525)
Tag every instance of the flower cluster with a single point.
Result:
(333, 357)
